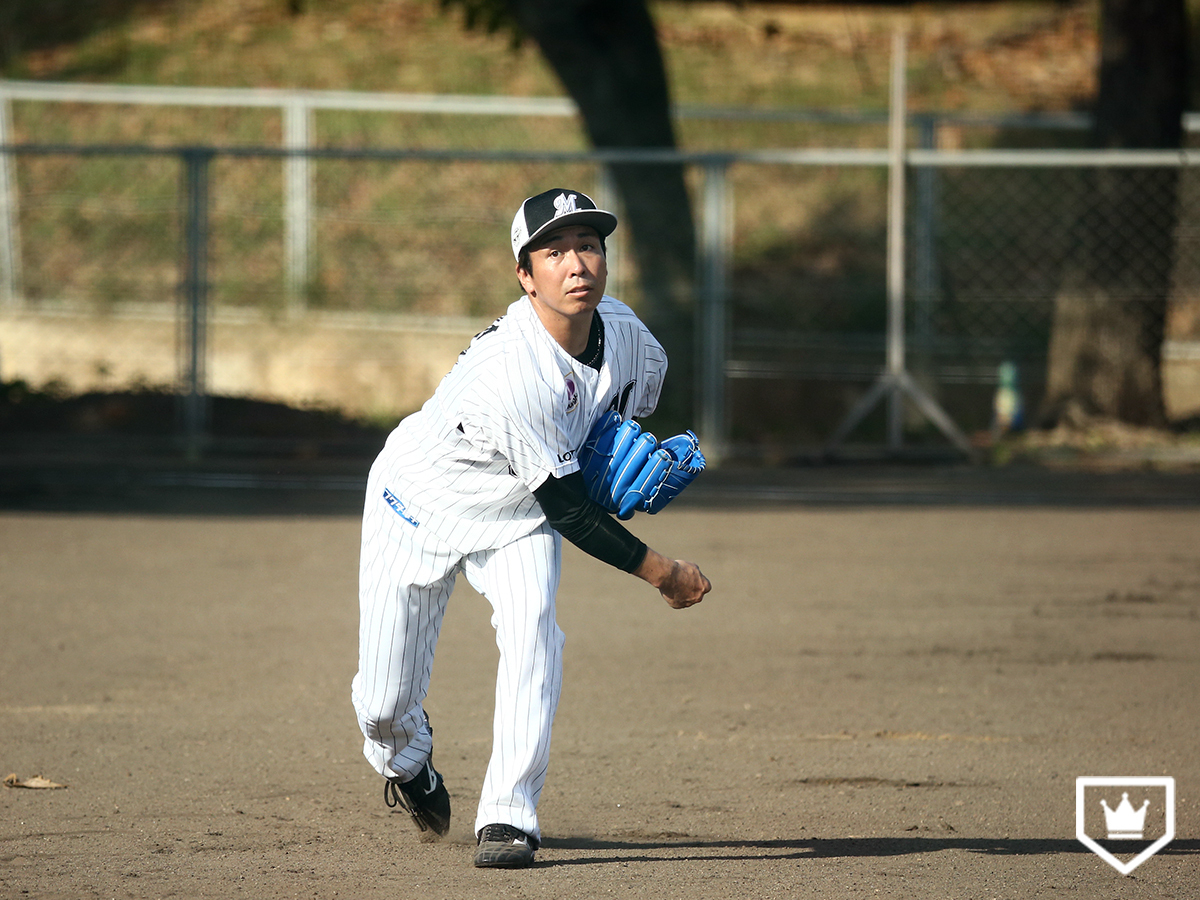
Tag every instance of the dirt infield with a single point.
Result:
(877, 700)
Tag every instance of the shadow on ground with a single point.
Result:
(121, 453)
(809, 848)
(266, 486)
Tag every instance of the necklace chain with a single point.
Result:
(599, 354)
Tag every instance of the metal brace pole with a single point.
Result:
(894, 384)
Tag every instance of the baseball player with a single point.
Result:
(485, 480)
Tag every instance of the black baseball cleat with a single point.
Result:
(424, 798)
(504, 847)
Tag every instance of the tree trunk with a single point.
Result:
(1106, 343)
(607, 56)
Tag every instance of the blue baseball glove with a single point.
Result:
(612, 457)
(627, 470)
(645, 484)
(686, 463)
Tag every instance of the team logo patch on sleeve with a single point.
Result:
(572, 393)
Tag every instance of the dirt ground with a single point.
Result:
(890, 696)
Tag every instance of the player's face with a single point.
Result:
(567, 272)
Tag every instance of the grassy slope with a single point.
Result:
(995, 56)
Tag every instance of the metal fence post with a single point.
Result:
(711, 312)
(897, 145)
(193, 316)
(608, 197)
(10, 234)
(297, 119)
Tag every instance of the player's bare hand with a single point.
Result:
(681, 583)
(686, 586)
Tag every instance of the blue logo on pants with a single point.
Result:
(395, 503)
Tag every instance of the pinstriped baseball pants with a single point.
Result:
(406, 576)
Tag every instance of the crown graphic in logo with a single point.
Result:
(1125, 823)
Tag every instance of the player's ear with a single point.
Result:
(526, 280)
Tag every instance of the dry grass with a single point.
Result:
(378, 225)
(990, 56)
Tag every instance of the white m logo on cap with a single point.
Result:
(563, 204)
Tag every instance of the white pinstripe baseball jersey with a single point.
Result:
(514, 410)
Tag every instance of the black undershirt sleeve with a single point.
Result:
(588, 525)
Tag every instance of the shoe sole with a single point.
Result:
(503, 856)
(434, 822)
(422, 811)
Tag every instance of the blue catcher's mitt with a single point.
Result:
(612, 457)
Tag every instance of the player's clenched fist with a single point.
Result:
(681, 583)
(688, 586)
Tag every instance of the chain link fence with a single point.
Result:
(997, 254)
(406, 258)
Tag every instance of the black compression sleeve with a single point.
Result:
(588, 525)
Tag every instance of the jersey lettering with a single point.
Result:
(495, 326)
(620, 402)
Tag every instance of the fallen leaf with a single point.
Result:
(37, 781)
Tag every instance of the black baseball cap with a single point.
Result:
(554, 208)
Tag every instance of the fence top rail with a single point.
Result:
(631, 155)
(463, 104)
(474, 104)
(801, 157)
(1055, 158)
